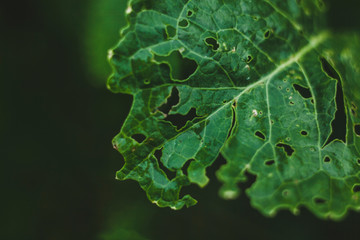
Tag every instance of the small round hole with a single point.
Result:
(304, 133)
(327, 159)
(267, 34)
(356, 188)
(190, 13)
(319, 200)
(183, 23)
(269, 162)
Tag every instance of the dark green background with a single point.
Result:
(57, 120)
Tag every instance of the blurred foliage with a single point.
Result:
(105, 19)
(57, 162)
(127, 224)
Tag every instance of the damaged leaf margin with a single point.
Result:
(253, 81)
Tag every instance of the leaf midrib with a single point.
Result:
(313, 43)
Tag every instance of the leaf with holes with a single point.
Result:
(256, 81)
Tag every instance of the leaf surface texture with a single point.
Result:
(245, 79)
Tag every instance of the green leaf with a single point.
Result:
(245, 79)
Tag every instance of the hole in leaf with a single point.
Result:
(260, 135)
(287, 148)
(170, 102)
(189, 13)
(339, 124)
(212, 42)
(170, 31)
(184, 23)
(358, 161)
(139, 137)
(249, 59)
(327, 159)
(181, 68)
(170, 174)
(318, 200)
(147, 81)
(304, 133)
(357, 129)
(328, 69)
(251, 178)
(356, 188)
(158, 154)
(179, 120)
(269, 162)
(186, 166)
(304, 92)
(312, 101)
(267, 34)
(291, 103)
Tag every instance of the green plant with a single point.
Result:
(260, 83)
